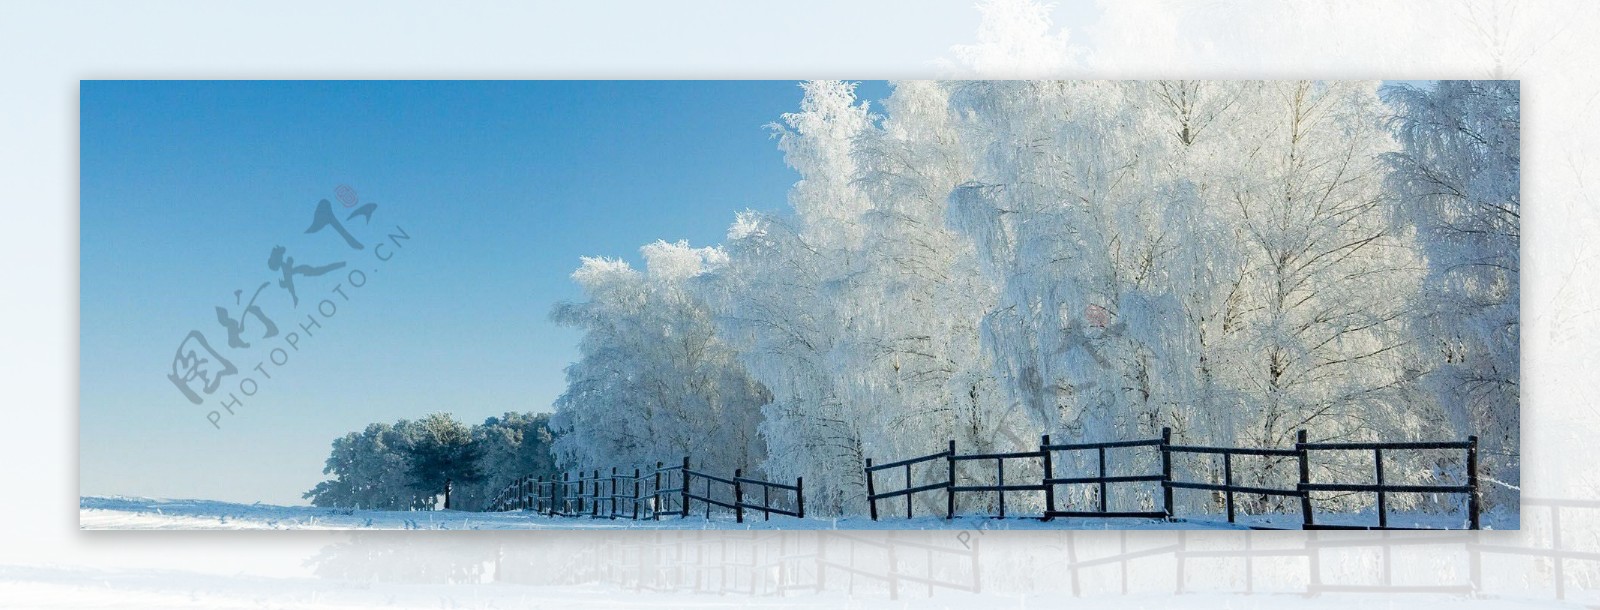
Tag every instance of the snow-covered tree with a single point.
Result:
(655, 381)
(1328, 276)
(441, 455)
(1458, 179)
(860, 310)
(406, 465)
(371, 470)
(508, 447)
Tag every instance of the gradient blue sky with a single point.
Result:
(187, 186)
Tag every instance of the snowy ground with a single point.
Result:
(164, 592)
(684, 563)
(115, 513)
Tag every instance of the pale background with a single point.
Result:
(46, 48)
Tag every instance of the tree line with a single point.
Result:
(434, 462)
(993, 261)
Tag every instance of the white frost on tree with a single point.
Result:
(1458, 179)
(655, 382)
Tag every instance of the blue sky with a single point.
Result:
(186, 187)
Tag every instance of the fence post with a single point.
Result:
(613, 493)
(908, 496)
(1049, 490)
(594, 493)
(1472, 480)
(766, 503)
(950, 486)
(683, 477)
(1383, 506)
(738, 497)
(1000, 484)
(580, 495)
(1227, 481)
(1103, 492)
(800, 497)
(636, 494)
(872, 500)
(655, 495)
(1305, 479)
(1166, 471)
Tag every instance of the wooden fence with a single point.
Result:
(1302, 489)
(650, 493)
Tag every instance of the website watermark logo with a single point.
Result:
(206, 375)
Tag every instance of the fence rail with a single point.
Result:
(1302, 489)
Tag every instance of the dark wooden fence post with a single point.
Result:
(594, 493)
(613, 514)
(872, 500)
(1000, 468)
(1383, 505)
(1166, 471)
(738, 497)
(683, 477)
(800, 497)
(1049, 490)
(636, 494)
(655, 495)
(766, 503)
(1227, 481)
(1472, 481)
(580, 495)
(950, 487)
(1103, 491)
(908, 486)
(1305, 479)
